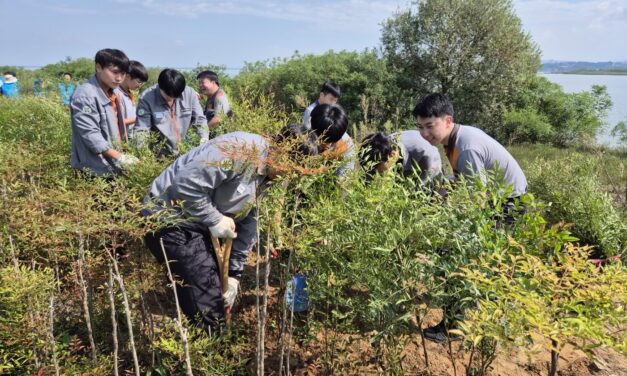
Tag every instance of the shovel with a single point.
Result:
(223, 254)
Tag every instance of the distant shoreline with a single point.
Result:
(590, 72)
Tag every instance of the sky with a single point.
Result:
(184, 33)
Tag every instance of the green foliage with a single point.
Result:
(24, 323)
(554, 116)
(560, 297)
(375, 254)
(474, 51)
(571, 185)
(81, 69)
(620, 132)
(295, 82)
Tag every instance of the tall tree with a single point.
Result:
(474, 51)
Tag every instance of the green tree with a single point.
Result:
(620, 132)
(543, 112)
(474, 51)
(295, 82)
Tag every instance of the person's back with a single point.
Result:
(416, 151)
(379, 152)
(195, 166)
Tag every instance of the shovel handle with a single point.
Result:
(223, 254)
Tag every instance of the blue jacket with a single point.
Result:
(66, 91)
(11, 90)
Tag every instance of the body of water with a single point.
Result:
(616, 88)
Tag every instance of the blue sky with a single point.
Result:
(182, 33)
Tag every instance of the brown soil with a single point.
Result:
(330, 352)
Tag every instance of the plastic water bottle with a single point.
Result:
(296, 293)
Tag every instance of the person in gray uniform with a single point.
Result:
(329, 94)
(98, 131)
(217, 106)
(210, 191)
(166, 111)
(380, 151)
(471, 153)
(329, 122)
(136, 77)
(470, 150)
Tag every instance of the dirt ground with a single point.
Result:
(331, 352)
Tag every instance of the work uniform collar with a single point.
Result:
(102, 93)
(452, 139)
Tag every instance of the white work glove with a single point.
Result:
(126, 160)
(224, 229)
(204, 140)
(231, 293)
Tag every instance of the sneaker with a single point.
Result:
(439, 335)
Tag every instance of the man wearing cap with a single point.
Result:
(98, 131)
(165, 113)
(217, 105)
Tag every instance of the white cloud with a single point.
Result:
(576, 30)
(338, 14)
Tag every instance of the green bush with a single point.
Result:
(562, 119)
(572, 187)
(295, 82)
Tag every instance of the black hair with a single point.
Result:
(111, 57)
(172, 82)
(137, 70)
(307, 140)
(375, 148)
(209, 75)
(330, 87)
(433, 105)
(329, 122)
(11, 73)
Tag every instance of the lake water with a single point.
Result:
(616, 88)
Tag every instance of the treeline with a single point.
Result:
(476, 52)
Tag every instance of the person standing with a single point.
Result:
(165, 113)
(329, 94)
(10, 88)
(66, 88)
(217, 106)
(98, 132)
(136, 77)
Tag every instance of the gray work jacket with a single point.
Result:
(348, 156)
(169, 125)
(418, 152)
(94, 129)
(215, 179)
(476, 153)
